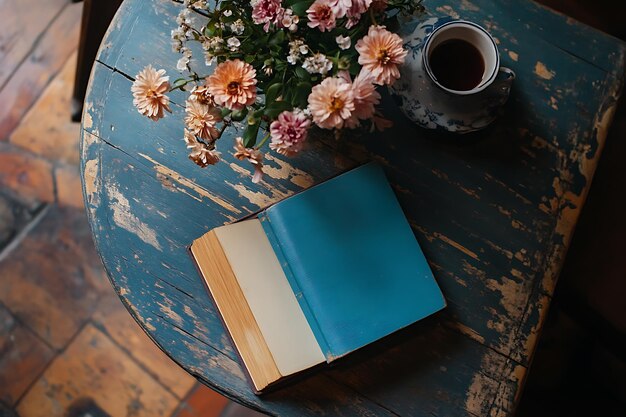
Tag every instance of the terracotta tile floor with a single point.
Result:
(67, 345)
(69, 348)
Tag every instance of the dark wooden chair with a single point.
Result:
(97, 15)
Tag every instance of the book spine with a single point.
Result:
(293, 281)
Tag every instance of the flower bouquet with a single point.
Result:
(280, 67)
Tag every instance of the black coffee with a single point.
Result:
(457, 64)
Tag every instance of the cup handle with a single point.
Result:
(506, 74)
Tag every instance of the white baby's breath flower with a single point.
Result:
(344, 42)
(297, 48)
(317, 64)
(238, 27)
(227, 13)
(213, 44)
(209, 58)
(198, 4)
(290, 20)
(184, 18)
(233, 44)
(183, 62)
(178, 36)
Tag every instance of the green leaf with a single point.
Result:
(179, 83)
(225, 112)
(276, 108)
(272, 92)
(301, 7)
(278, 38)
(239, 115)
(250, 133)
(209, 30)
(300, 98)
(302, 73)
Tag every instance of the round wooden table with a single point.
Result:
(494, 213)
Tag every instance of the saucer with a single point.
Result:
(431, 107)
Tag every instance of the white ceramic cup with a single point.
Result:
(475, 35)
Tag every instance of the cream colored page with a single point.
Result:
(269, 295)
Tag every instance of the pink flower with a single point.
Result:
(266, 12)
(380, 52)
(358, 7)
(321, 15)
(233, 84)
(351, 8)
(331, 103)
(340, 7)
(365, 98)
(289, 131)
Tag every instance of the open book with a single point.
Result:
(317, 275)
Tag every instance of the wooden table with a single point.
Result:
(494, 213)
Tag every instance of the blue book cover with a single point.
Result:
(352, 260)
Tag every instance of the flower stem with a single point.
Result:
(373, 17)
(265, 138)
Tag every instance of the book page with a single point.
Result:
(269, 295)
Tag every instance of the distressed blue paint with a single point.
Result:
(493, 212)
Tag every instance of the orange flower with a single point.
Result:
(149, 91)
(380, 53)
(254, 156)
(201, 154)
(233, 85)
(201, 119)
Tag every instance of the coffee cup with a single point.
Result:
(461, 57)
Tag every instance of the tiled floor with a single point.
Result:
(67, 345)
(69, 348)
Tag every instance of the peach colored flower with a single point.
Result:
(149, 90)
(254, 156)
(200, 153)
(202, 118)
(321, 15)
(331, 103)
(380, 52)
(201, 94)
(289, 131)
(233, 85)
(365, 98)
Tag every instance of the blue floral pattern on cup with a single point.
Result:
(431, 107)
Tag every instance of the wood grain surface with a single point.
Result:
(493, 211)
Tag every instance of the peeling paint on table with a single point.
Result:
(493, 211)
